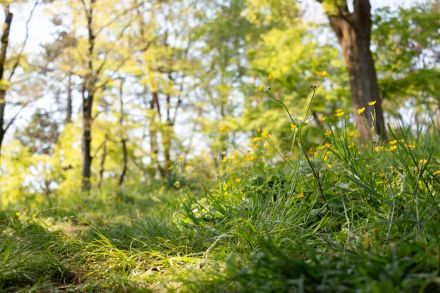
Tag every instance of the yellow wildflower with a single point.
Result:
(436, 172)
(225, 159)
(372, 103)
(322, 118)
(361, 110)
(411, 146)
(270, 77)
(328, 133)
(238, 180)
(256, 139)
(339, 114)
(188, 167)
(300, 195)
(293, 126)
(161, 189)
(321, 74)
(393, 147)
(249, 157)
(258, 129)
(265, 134)
(261, 87)
(224, 129)
(180, 158)
(423, 162)
(392, 142)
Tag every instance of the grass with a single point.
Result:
(262, 227)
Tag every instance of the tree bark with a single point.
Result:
(123, 137)
(3, 52)
(154, 145)
(353, 30)
(89, 91)
(69, 108)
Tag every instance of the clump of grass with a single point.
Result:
(32, 257)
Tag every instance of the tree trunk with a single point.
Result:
(69, 109)
(154, 145)
(87, 141)
(102, 163)
(123, 137)
(353, 30)
(3, 52)
(90, 88)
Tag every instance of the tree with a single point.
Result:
(353, 30)
(5, 81)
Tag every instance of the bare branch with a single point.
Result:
(17, 61)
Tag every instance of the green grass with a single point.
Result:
(377, 230)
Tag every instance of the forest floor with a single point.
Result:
(264, 228)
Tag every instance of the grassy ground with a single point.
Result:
(369, 221)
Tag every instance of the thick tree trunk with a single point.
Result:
(3, 52)
(353, 30)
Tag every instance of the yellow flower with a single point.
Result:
(188, 167)
(411, 146)
(161, 189)
(392, 142)
(256, 139)
(265, 134)
(180, 158)
(300, 196)
(353, 133)
(372, 103)
(261, 87)
(249, 157)
(321, 74)
(270, 77)
(328, 133)
(436, 172)
(361, 110)
(423, 162)
(238, 180)
(393, 147)
(225, 159)
(293, 126)
(258, 129)
(224, 129)
(339, 113)
(322, 118)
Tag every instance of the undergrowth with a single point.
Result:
(335, 217)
